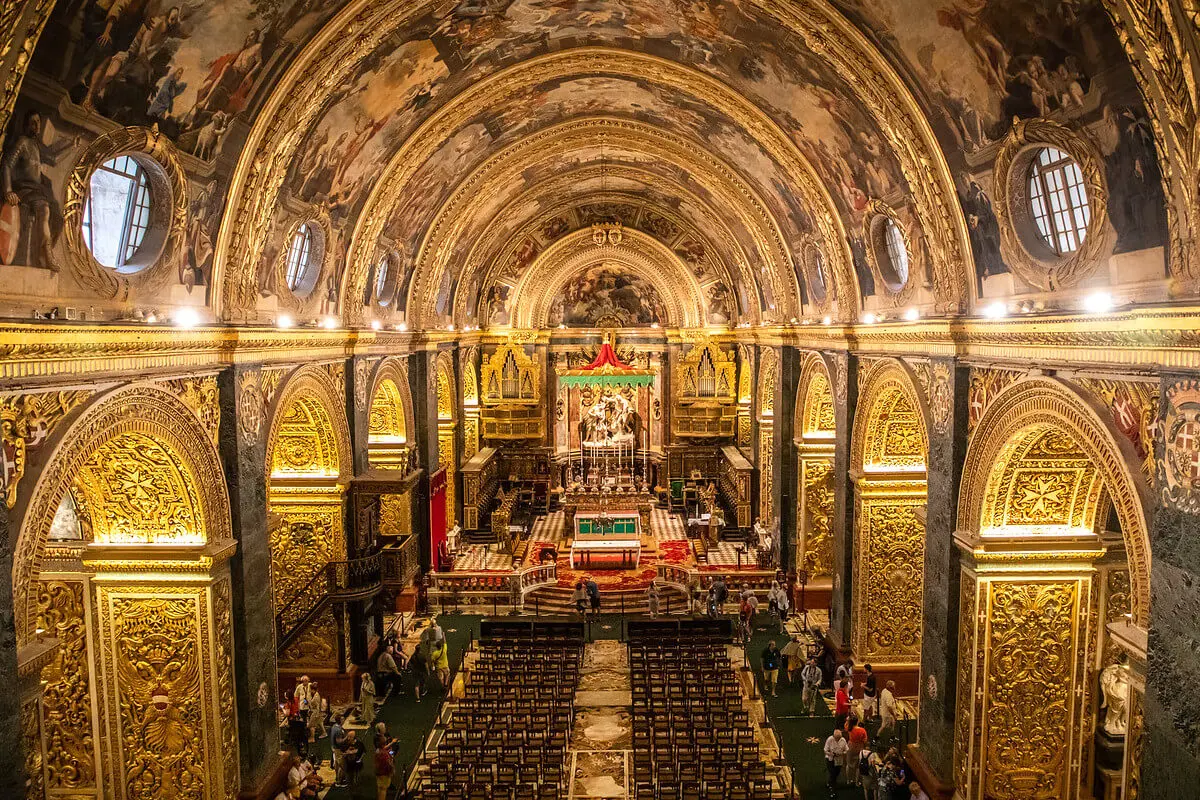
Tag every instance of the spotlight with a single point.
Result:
(450, 327)
(401, 326)
(187, 317)
(151, 318)
(826, 320)
(329, 323)
(284, 321)
(654, 325)
(1098, 303)
(376, 324)
(869, 319)
(995, 310)
(912, 315)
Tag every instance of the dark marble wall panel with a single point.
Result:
(844, 375)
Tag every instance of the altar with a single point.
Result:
(607, 540)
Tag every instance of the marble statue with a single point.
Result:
(1114, 683)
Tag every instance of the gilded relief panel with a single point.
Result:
(154, 655)
(1031, 718)
(766, 472)
(67, 723)
(888, 603)
(816, 492)
(223, 664)
(31, 746)
(395, 515)
(305, 536)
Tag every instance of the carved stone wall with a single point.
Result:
(68, 726)
(889, 546)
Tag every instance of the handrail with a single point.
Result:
(401, 562)
(349, 579)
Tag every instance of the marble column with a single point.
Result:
(12, 755)
(949, 384)
(422, 380)
(844, 369)
(1171, 757)
(786, 456)
(243, 434)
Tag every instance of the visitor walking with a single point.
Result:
(316, 716)
(870, 694)
(652, 598)
(366, 699)
(389, 672)
(352, 757)
(771, 658)
(841, 703)
(810, 676)
(419, 665)
(385, 767)
(835, 756)
(777, 601)
(856, 742)
(869, 764)
(593, 593)
(337, 741)
(441, 662)
(793, 658)
(887, 711)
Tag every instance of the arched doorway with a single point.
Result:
(390, 418)
(1054, 593)
(815, 432)
(307, 460)
(447, 410)
(122, 558)
(888, 452)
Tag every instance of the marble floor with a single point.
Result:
(603, 735)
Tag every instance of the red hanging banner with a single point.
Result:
(437, 521)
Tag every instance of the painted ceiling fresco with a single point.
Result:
(200, 71)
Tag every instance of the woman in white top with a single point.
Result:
(366, 711)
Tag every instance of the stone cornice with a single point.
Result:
(1143, 340)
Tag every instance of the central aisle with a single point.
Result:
(601, 742)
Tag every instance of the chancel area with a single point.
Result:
(634, 399)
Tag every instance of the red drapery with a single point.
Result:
(607, 357)
(437, 519)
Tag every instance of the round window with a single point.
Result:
(120, 219)
(1058, 201)
(384, 283)
(299, 273)
(890, 252)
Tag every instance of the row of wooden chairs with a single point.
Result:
(526, 791)
(696, 790)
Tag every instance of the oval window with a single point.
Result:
(1058, 201)
(118, 215)
(300, 258)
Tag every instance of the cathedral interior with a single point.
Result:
(322, 320)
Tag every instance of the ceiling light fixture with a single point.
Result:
(995, 310)
(329, 323)
(1098, 303)
(869, 319)
(912, 315)
(186, 317)
(826, 320)
(376, 324)
(401, 326)
(284, 321)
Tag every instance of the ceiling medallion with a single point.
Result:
(607, 233)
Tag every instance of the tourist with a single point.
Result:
(770, 667)
(845, 672)
(841, 703)
(432, 636)
(296, 725)
(869, 764)
(304, 696)
(887, 710)
(337, 740)
(593, 593)
(441, 662)
(811, 677)
(316, 716)
(870, 694)
(580, 597)
(652, 598)
(389, 673)
(917, 793)
(777, 602)
(856, 742)
(385, 767)
(419, 665)
(893, 778)
(793, 656)
(290, 793)
(835, 756)
(352, 757)
(366, 699)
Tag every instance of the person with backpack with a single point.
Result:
(857, 740)
(770, 667)
(811, 676)
(352, 757)
(869, 764)
(419, 664)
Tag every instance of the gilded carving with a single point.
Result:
(316, 645)
(887, 598)
(1032, 633)
(1135, 742)
(1179, 471)
(304, 536)
(25, 423)
(766, 471)
(31, 746)
(223, 666)
(509, 378)
(1051, 405)
(201, 396)
(152, 653)
(251, 405)
(986, 384)
(941, 400)
(817, 553)
(767, 365)
(964, 731)
(67, 690)
(470, 381)
(395, 515)
(21, 25)
(362, 379)
(337, 374)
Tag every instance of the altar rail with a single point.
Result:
(692, 581)
(477, 588)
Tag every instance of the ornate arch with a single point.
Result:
(892, 422)
(391, 411)
(814, 413)
(726, 185)
(1037, 404)
(638, 252)
(309, 432)
(183, 457)
(768, 374)
(447, 392)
